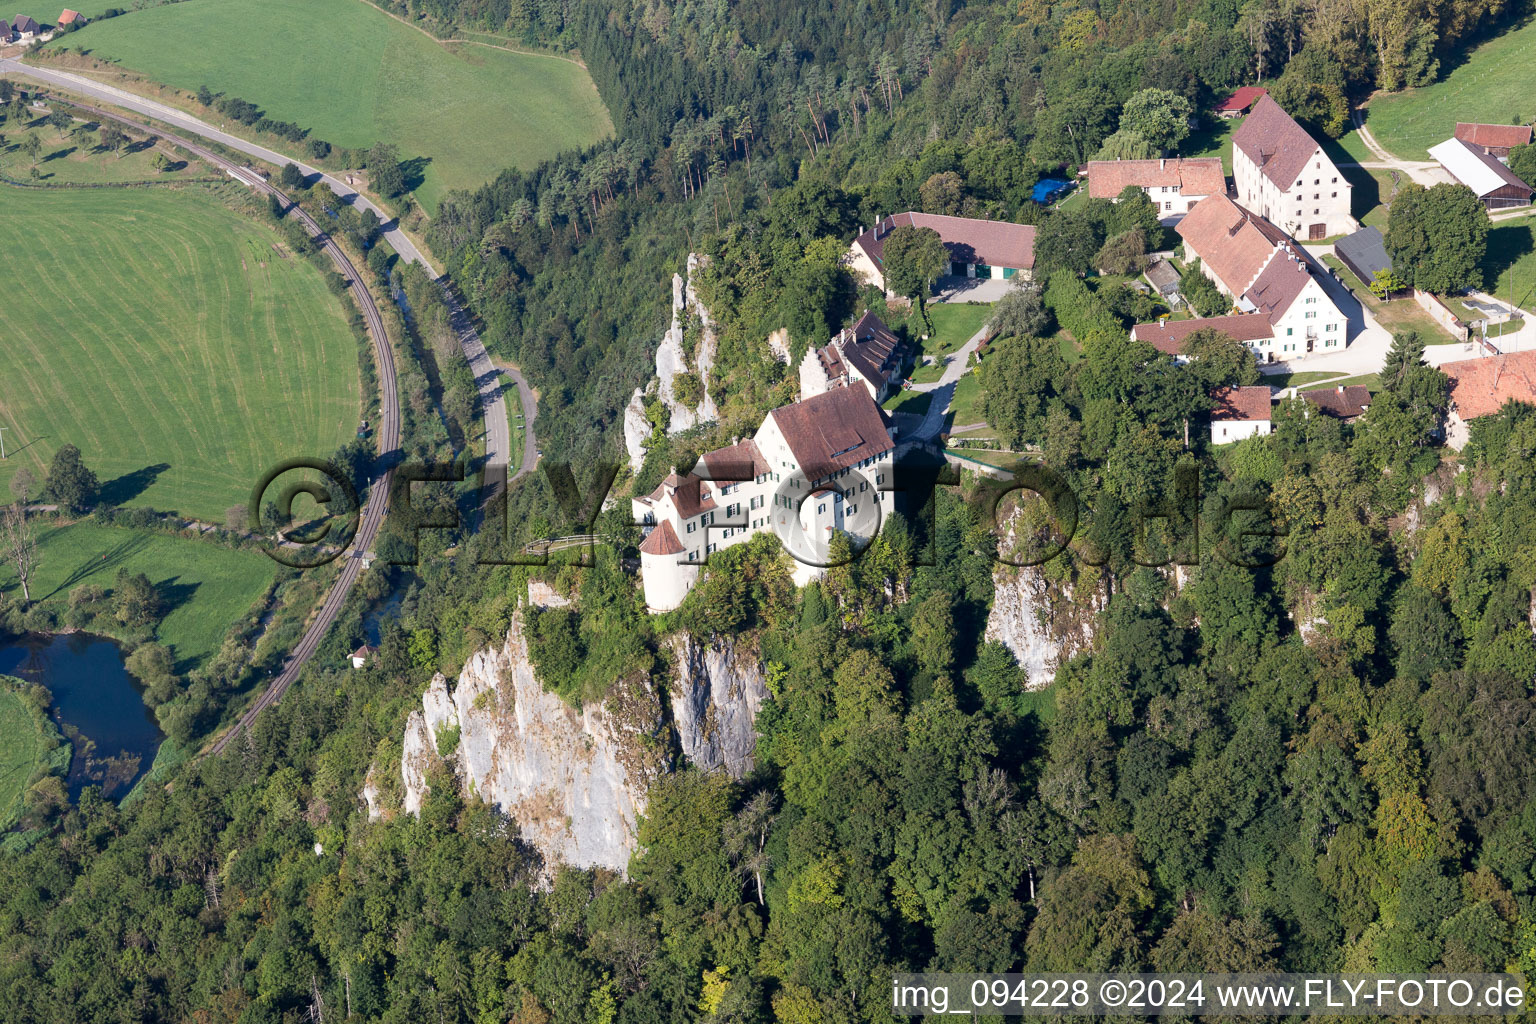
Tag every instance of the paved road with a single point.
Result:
(498, 433)
(388, 434)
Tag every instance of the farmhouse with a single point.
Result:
(1480, 387)
(1494, 139)
(24, 28)
(1282, 173)
(813, 469)
(1345, 402)
(977, 248)
(1263, 271)
(868, 353)
(1496, 185)
(6, 34)
(1168, 337)
(1240, 102)
(68, 17)
(1240, 413)
(1365, 254)
(1172, 185)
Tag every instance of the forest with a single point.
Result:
(1304, 751)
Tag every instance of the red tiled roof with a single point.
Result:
(739, 461)
(364, 651)
(1480, 387)
(1242, 404)
(833, 430)
(1234, 243)
(1494, 136)
(1344, 402)
(1279, 285)
(687, 494)
(1200, 176)
(1276, 144)
(662, 541)
(68, 16)
(867, 346)
(996, 243)
(1169, 336)
(1241, 100)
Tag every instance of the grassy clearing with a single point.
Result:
(175, 342)
(914, 402)
(354, 76)
(953, 325)
(206, 588)
(966, 405)
(1295, 380)
(75, 156)
(1370, 380)
(1493, 85)
(1213, 140)
(27, 744)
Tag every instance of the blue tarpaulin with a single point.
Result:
(1046, 191)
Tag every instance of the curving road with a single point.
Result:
(498, 433)
(388, 433)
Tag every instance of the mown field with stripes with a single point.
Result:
(176, 342)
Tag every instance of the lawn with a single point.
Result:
(175, 342)
(74, 156)
(1296, 380)
(966, 405)
(1212, 140)
(1370, 380)
(914, 402)
(207, 588)
(1509, 268)
(953, 325)
(354, 76)
(1493, 86)
(1401, 314)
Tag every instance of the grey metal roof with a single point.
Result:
(1364, 253)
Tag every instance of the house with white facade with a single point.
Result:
(1241, 413)
(868, 353)
(1264, 272)
(1173, 185)
(1282, 174)
(813, 469)
(1168, 336)
(977, 248)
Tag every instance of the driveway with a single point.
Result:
(970, 289)
(943, 390)
(1368, 340)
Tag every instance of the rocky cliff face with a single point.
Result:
(573, 781)
(1044, 622)
(672, 360)
(716, 695)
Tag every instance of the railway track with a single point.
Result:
(372, 515)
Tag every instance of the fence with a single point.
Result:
(1441, 313)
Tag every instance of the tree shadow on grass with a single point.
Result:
(415, 171)
(1507, 244)
(104, 563)
(59, 154)
(130, 485)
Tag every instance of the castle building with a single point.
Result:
(813, 468)
(867, 353)
(1282, 174)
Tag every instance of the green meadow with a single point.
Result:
(205, 588)
(355, 76)
(176, 343)
(1493, 85)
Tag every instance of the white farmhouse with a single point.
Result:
(977, 248)
(1241, 413)
(814, 468)
(1282, 174)
(1174, 186)
(1263, 271)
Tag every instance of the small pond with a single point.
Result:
(97, 704)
